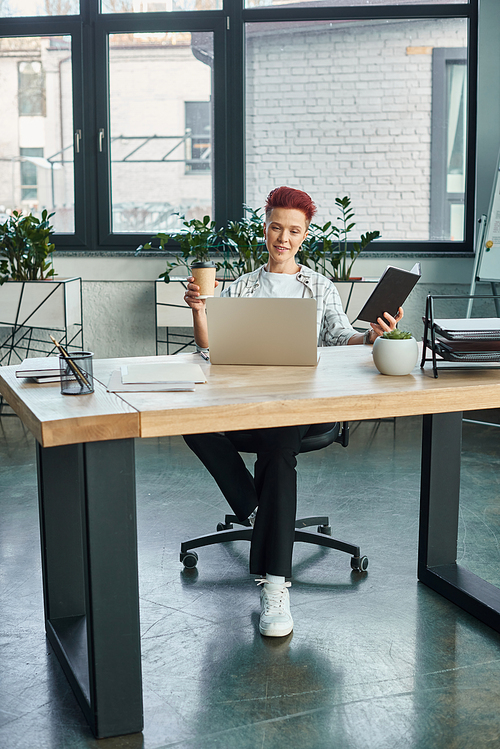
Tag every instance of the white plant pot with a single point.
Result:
(395, 357)
(54, 303)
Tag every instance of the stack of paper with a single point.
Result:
(470, 328)
(155, 377)
(468, 340)
(40, 369)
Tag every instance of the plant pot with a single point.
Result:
(393, 357)
(52, 303)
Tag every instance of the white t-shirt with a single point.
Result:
(282, 285)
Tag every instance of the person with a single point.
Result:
(268, 499)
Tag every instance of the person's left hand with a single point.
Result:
(385, 324)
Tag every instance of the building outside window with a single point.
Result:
(36, 147)
(31, 95)
(160, 144)
(352, 115)
(198, 136)
(29, 179)
(449, 143)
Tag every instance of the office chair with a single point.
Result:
(317, 437)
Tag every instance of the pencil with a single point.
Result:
(76, 369)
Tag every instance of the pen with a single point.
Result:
(204, 355)
(74, 367)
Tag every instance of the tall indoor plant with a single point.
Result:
(327, 248)
(25, 248)
(198, 241)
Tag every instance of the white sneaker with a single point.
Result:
(275, 617)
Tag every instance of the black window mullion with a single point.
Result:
(100, 145)
(235, 109)
(80, 237)
(357, 12)
(471, 176)
(222, 156)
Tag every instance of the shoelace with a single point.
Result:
(274, 598)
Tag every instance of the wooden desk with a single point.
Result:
(86, 481)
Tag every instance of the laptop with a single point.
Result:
(243, 330)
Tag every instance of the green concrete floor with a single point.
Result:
(376, 661)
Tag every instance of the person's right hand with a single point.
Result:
(192, 294)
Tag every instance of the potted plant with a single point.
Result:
(245, 240)
(327, 248)
(198, 242)
(240, 245)
(25, 248)
(29, 294)
(395, 352)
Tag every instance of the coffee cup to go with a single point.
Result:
(204, 277)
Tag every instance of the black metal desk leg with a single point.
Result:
(439, 507)
(90, 580)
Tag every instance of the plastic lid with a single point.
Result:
(203, 264)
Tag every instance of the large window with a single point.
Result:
(124, 116)
(347, 108)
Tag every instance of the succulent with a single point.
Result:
(397, 335)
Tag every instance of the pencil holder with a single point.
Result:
(76, 373)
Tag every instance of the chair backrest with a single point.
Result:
(322, 435)
(317, 437)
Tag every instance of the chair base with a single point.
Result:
(226, 532)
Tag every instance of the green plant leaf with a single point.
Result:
(397, 335)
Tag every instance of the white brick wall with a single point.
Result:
(346, 110)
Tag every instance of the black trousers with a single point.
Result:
(273, 488)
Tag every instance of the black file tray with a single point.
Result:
(467, 341)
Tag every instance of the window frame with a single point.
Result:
(172, 22)
(89, 31)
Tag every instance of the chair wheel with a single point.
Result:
(325, 529)
(359, 564)
(189, 559)
(224, 526)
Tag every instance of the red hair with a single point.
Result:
(288, 197)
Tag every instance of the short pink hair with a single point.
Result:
(288, 197)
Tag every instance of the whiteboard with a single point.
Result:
(489, 253)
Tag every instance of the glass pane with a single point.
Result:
(457, 217)
(346, 3)
(457, 113)
(36, 143)
(15, 8)
(345, 108)
(157, 6)
(161, 136)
